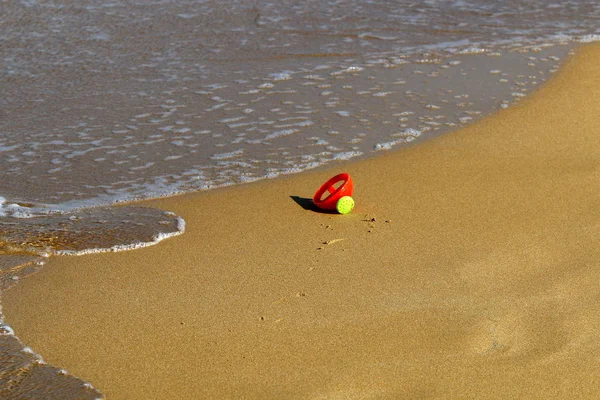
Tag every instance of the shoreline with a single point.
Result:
(280, 124)
(466, 265)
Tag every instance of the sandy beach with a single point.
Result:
(468, 269)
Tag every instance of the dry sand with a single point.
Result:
(469, 269)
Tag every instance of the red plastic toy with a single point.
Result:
(335, 191)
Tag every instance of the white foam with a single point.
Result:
(343, 113)
(225, 156)
(350, 69)
(409, 132)
(589, 38)
(346, 155)
(6, 329)
(9, 148)
(187, 16)
(304, 122)
(17, 211)
(232, 119)
(122, 247)
(369, 35)
(281, 76)
(283, 132)
(388, 145)
(100, 36)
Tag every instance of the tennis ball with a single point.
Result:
(344, 205)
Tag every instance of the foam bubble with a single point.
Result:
(281, 76)
(388, 145)
(5, 329)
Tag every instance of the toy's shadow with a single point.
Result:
(308, 205)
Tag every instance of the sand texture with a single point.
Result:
(468, 269)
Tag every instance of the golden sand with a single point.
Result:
(468, 269)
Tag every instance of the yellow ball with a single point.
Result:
(344, 205)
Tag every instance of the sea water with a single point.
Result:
(107, 102)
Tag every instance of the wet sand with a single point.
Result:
(468, 269)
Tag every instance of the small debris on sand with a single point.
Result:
(328, 242)
(332, 241)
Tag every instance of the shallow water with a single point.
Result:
(108, 102)
(114, 101)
